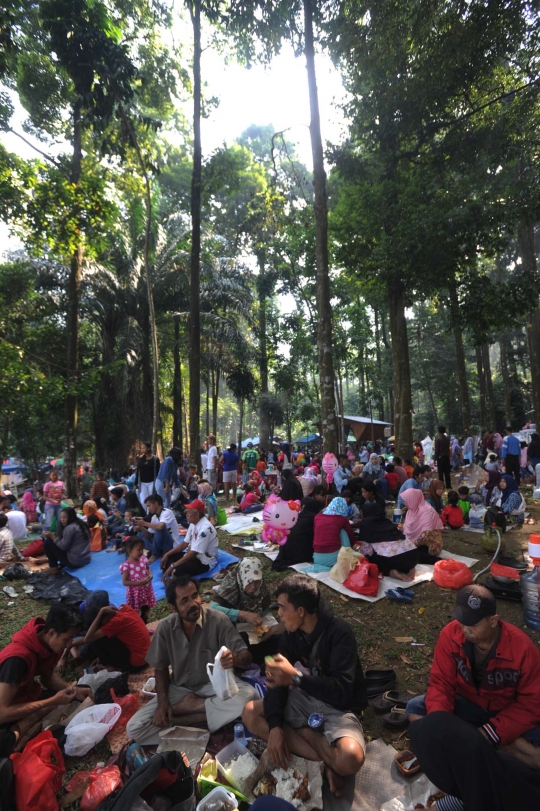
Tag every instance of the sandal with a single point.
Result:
(390, 699)
(397, 719)
(401, 590)
(397, 596)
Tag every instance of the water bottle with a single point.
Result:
(396, 517)
(240, 733)
(530, 587)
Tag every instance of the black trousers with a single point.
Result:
(192, 567)
(55, 555)
(403, 563)
(443, 468)
(110, 651)
(513, 466)
(461, 762)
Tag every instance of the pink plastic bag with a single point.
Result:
(102, 783)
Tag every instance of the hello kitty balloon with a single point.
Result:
(279, 517)
(330, 465)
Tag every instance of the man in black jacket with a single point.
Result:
(318, 660)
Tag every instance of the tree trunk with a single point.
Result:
(461, 367)
(528, 259)
(207, 408)
(503, 346)
(490, 402)
(481, 389)
(215, 398)
(324, 311)
(177, 389)
(72, 322)
(241, 424)
(195, 267)
(378, 355)
(402, 372)
(264, 424)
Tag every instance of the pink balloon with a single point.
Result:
(330, 465)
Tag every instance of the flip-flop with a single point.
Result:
(391, 699)
(10, 591)
(397, 719)
(394, 594)
(401, 590)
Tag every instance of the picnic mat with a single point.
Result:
(103, 573)
(423, 570)
(238, 524)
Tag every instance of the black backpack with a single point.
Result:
(181, 793)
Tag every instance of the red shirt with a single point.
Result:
(249, 500)
(452, 516)
(130, 629)
(393, 480)
(327, 528)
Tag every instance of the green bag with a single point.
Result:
(221, 517)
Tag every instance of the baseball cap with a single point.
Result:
(196, 504)
(250, 444)
(473, 603)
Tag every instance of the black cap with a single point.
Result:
(473, 603)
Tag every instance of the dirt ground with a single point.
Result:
(375, 625)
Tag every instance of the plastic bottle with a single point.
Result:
(530, 587)
(396, 517)
(240, 733)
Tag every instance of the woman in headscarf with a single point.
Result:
(422, 525)
(90, 508)
(456, 454)
(332, 530)
(291, 489)
(28, 507)
(242, 595)
(512, 502)
(299, 545)
(493, 479)
(206, 493)
(433, 495)
(374, 472)
(308, 480)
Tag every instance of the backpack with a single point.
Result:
(160, 769)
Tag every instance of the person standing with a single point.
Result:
(230, 461)
(442, 456)
(167, 476)
(511, 454)
(54, 492)
(147, 470)
(212, 462)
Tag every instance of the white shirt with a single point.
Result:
(204, 461)
(167, 517)
(16, 521)
(212, 458)
(202, 539)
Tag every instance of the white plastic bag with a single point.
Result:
(90, 727)
(221, 680)
(95, 680)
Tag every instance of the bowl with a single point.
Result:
(401, 758)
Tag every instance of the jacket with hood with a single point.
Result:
(510, 687)
(336, 674)
(40, 660)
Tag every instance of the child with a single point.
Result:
(452, 515)
(8, 550)
(249, 502)
(137, 578)
(192, 482)
(393, 481)
(408, 468)
(353, 513)
(492, 463)
(206, 493)
(127, 531)
(464, 502)
(98, 536)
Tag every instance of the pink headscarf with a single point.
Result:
(420, 517)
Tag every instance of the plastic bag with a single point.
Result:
(17, 571)
(90, 727)
(128, 704)
(54, 587)
(347, 561)
(102, 783)
(38, 771)
(95, 680)
(221, 680)
(34, 549)
(221, 517)
(364, 579)
(119, 684)
(451, 574)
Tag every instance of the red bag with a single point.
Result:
(128, 704)
(34, 549)
(451, 574)
(364, 579)
(38, 771)
(102, 783)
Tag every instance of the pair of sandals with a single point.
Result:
(396, 702)
(400, 595)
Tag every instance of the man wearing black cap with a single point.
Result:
(480, 738)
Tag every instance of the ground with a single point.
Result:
(375, 625)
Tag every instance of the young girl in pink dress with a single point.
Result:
(137, 578)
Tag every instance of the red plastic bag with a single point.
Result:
(128, 704)
(451, 574)
(34, 549)
(102, 783)
(38, 771)
(364, 579)
(77, 780)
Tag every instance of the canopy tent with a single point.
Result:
(360, 427)
(307, 440)
(255, 442)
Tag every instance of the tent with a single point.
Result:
(306, 440)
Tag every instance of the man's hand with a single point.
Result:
(64, 696)
(83, 692)
(250, 616)
(227, 660)
(278, 751)
(163, 715)
(280, 672)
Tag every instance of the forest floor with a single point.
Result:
(375, 625)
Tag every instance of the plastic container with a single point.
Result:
(217, 794)
(240, 733)
(530, 587)
(149, 688)
(224, 758)
(397, 514)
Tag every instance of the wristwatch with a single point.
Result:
(297, 678)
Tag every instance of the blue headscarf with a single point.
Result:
(511, 487)
(338, 506)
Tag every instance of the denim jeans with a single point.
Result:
(470, 712)
(160, 542)
(165, 494)
(50, 511)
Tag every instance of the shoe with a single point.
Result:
(374, 689)
(397, 719)
(391, 699)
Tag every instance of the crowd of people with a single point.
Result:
(483, 673)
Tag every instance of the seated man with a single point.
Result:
(35, 651)
(318, 659)
(16, 522)
(188, 640)
(197, 553)
(161, 532)
(478, 741)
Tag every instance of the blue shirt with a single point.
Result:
(168, 471)
(230, 461)
(410, 484)
(341, 477)
(511, 445)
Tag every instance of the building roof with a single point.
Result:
(364, 420)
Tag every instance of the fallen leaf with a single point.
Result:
(342, 597)
(421, 610)
(405, 659)
(404, 639)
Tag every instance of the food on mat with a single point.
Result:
(266, 785)
(240, 769)
(260, 630)
(287, 784)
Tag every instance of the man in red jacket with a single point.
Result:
(33, 653)
(480, 738)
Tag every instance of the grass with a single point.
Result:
(375, 625)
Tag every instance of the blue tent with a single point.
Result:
(305, 440)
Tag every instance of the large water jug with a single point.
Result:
(530, 587)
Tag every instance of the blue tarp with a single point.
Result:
(12, 468)
(103, 573)
(303, 440)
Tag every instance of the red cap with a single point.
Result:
(198, 505)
